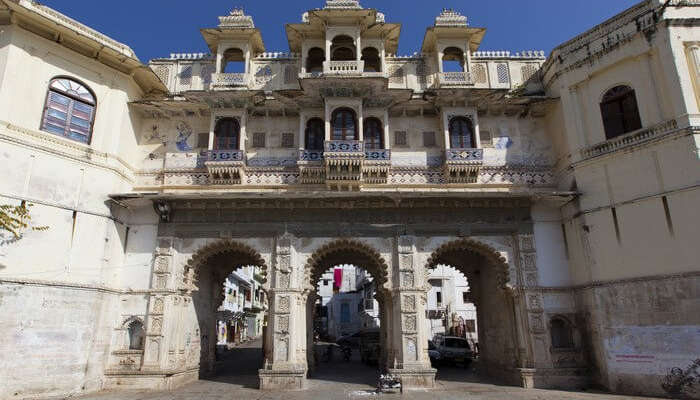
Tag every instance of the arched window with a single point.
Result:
(343, 48)
(453, 60)
(314, 60)
(561, 333)
(314, 135)
(233, 61)
(373, 134)
(344, 124)
(69, 110)
(226, 134)
(619, 111)
(136, 335)
(373, 63)
(461, 133)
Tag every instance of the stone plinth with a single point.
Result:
(290, 379)
(413, 379)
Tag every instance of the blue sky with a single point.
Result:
(156, 28)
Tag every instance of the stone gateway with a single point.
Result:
(563, 187)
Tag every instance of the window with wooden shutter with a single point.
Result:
(69, 110)
(619, 111)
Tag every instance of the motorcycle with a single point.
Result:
(347, 352)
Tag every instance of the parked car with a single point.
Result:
(370, 346)
(453, 349)
(433, 353)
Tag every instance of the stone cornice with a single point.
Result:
(79, 286)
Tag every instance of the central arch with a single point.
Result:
(359, 254)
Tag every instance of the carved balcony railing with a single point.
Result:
(463, 165)
(377, 165)
(630, 139)
(311, 168)
(354, 68)
(227, 80)
(226, 167)
(455, 79)
(343, 161)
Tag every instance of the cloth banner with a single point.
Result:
(337, 279)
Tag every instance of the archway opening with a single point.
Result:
(373, 62)
(314, 60)
(453, 60)
(343, 48)
(348, 313)
(225, 326)
(470, 279)
(233, 61)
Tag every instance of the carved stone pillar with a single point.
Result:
(160, 300)
(411, 361)
(285, 368)
(532, 348)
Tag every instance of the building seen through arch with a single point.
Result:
(540, 208)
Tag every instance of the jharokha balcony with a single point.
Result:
(226, 167)
(345, 68)
(462, 165)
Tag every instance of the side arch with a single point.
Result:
(243, 255)
(452, 253)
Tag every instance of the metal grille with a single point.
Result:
(259, 139)
(186, 75)
(287, 140)
(400, 138)
(503, 73)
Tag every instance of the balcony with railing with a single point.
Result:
(225, 167)
(462, 165)
(455, 79)
(229, 80)
(630, 139)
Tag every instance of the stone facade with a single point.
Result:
(575, 225)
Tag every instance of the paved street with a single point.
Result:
(338, 379)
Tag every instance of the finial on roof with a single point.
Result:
(236, 19)
(343, 4)
(450, 17)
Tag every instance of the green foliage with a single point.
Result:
(16, 219)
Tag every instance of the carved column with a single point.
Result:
(285, 368)
(532, 343)
(411, 361)
(160, 299)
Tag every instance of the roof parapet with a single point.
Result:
(236, 19)
(343, 4)
(449, 17)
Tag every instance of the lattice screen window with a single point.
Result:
(186, 75)
(503, 73)
(203, 140)
(290, 74)
(396, 75)
(400, 138)
(527, 71)
(485, 138)
(259, 139)
(422, 71)
(479, 73)
(287, 140)
(163, 73)
(428, 139)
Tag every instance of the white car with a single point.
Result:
(453, 349)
